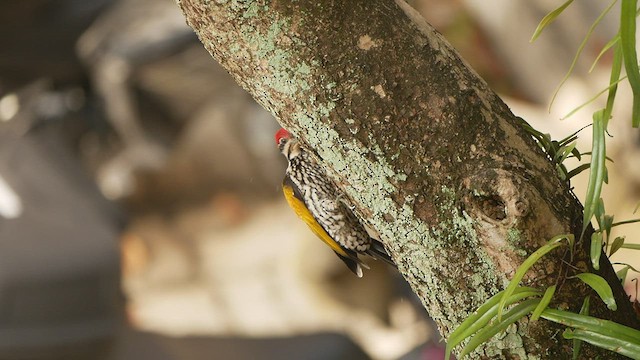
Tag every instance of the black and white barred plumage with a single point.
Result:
(318, 202)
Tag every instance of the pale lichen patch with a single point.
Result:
(365, 42)
(379, 90)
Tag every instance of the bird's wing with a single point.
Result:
(297, 204)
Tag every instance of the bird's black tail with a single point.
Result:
(353, 263)
(377, 251)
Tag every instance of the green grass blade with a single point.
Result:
(563, 151)
(535, 133)
(610, 343)
(567, 151)
(589, 153)
(601, 287)
(577, 170)
(522, 269)
(584, 310)
(483, 315)
(612, 87)
(614, 79)
(631, 246)
(573, 136)
(625, 222)
(597, 173)
(580, 48)
(607, 223)
(577, 343)
(544, 302)
(605, 48)
(566, 141)
(591, 323)
(625, 264)
(511, 316)
(548, 19)
(596, 249)
(600, 214)
(630, 57)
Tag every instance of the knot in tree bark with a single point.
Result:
(496, 196)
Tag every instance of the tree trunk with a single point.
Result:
(431, 158)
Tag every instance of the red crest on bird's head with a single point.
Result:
(282, 134)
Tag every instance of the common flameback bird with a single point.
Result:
(319, 203)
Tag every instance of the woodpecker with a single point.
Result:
(319, 203)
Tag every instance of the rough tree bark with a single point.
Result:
(432, 159)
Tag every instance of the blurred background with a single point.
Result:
(141, 215)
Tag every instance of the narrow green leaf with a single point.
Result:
(557, 153)
(600, 213)
(562, 172)
(592, 324)
(625, 264)
(573, 135)
(622, 274)
(535, 133)
(605, 48)
(625, 222)
(522, 269)
(614, 79)
(589, 153)
(576, 154)
(596, 175)
(577, 170)
(610, 343)
(593, 98)
(483, 315)
(544, 302)
(580, 48)
(564, 151)
(601, 287)
(630, 57)
(568, 151)
(547, 141)
(568, 140)
(511, 316)
(577, 344)
(596, 249)
(584, 310)
(548, 19)
(631, 246)
(616, 244)
(607, 222)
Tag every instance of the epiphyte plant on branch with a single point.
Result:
(319, 203)
(491, 318)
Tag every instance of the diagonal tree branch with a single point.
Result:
(431, 158)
